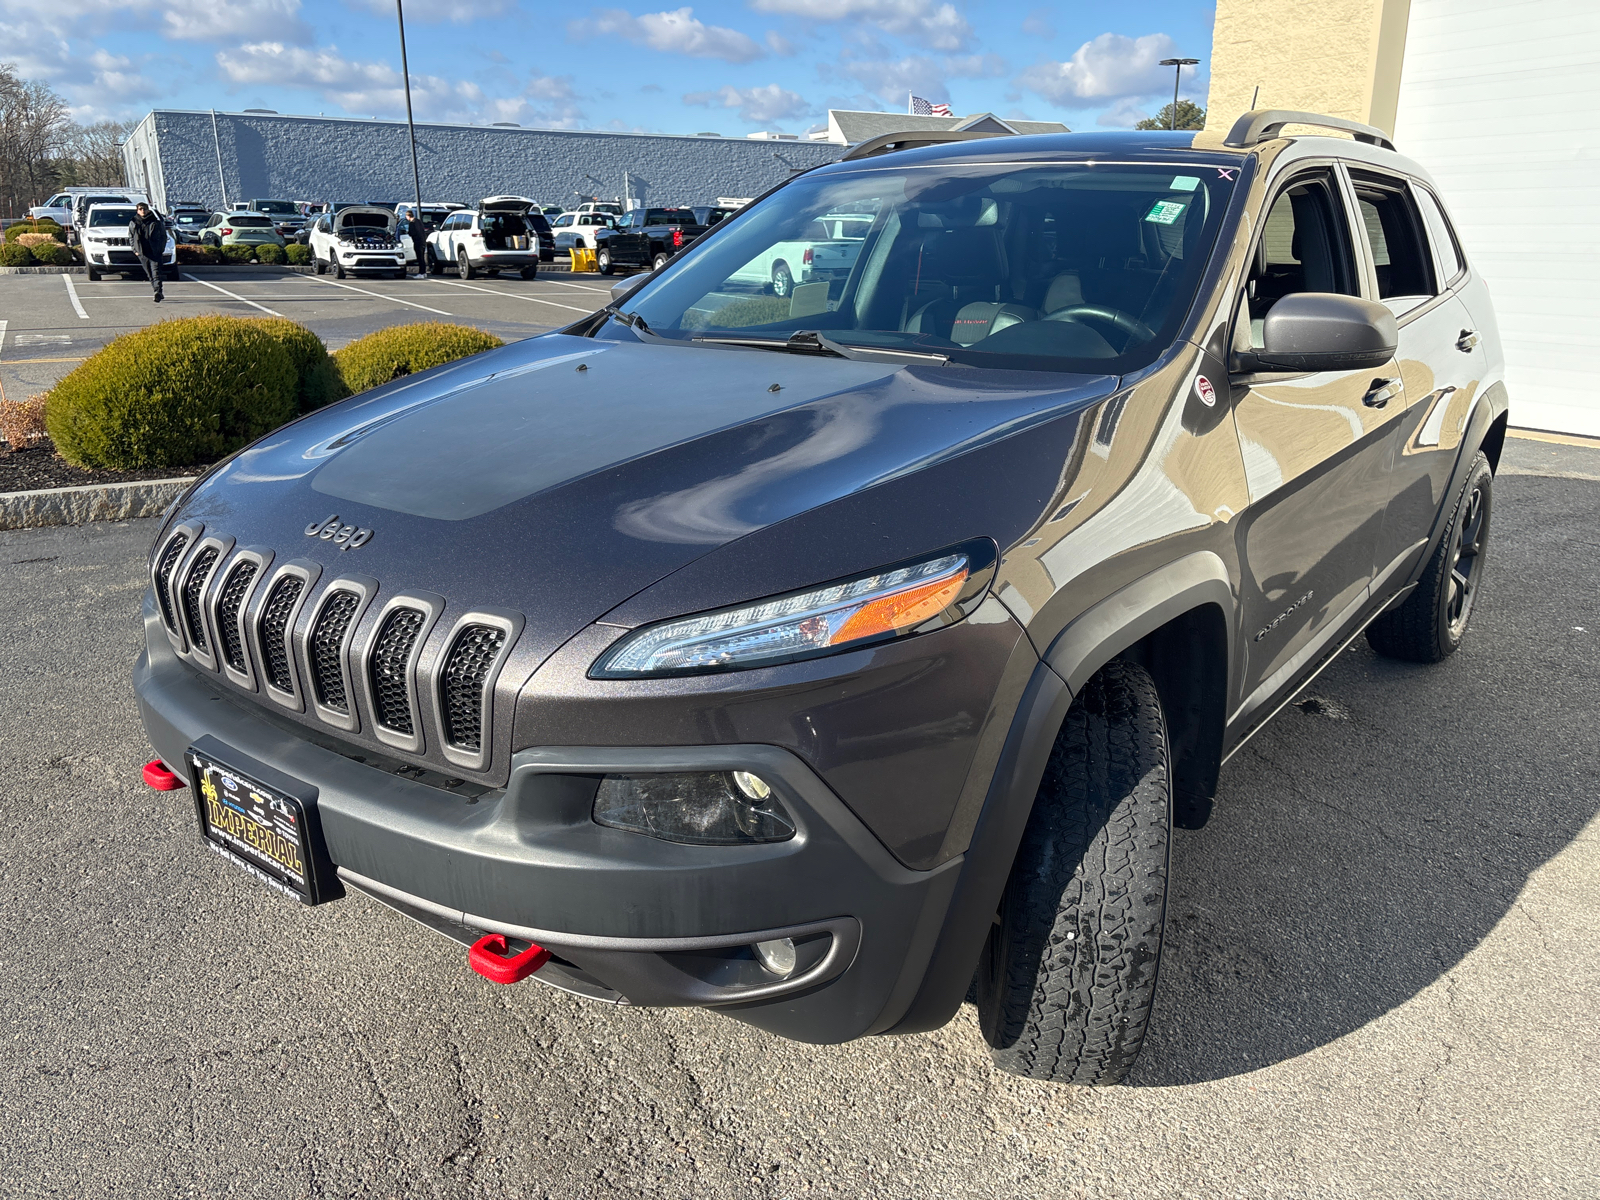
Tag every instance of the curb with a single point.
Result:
(94, 502)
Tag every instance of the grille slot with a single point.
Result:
(327, 649)
(274, 630)
(466, 669)
(164, 569)
(391, 654)
(193, 585)
(234, 589)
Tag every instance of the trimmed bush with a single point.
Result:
(237, 254)
(14, 255)
(297, 255)
(46, 227)
(269, 254)
(191, 254)
(173, 394)
(402, 350)
(53, 254)
(22, 421)
(319, 381)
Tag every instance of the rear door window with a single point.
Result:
(1393, 229)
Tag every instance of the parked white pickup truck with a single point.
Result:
(827, 252)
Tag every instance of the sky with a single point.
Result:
(729, 67)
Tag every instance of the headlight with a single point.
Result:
(699, 808)
(891, 603)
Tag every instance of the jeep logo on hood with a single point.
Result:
(346, 537)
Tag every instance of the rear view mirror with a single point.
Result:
(1322, 331)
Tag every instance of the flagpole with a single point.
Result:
(908, 104)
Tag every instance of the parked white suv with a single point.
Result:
(493, 237)
(108, 247)
(576, 229)
(362, 239)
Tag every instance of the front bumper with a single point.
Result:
(629, 917)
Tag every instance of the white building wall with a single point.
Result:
(1499, 102)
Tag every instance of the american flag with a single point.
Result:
(922, 108)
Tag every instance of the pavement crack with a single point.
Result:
(465, 1155)
(1538, 925)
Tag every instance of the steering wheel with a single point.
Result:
(1126, 322)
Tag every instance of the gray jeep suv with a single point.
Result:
(827, 658)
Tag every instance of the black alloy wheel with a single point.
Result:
(463, 264)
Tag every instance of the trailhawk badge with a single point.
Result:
(1207, 393)
(346, 537)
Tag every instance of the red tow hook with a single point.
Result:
(488, 957)
(158, 777)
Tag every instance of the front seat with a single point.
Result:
(963, 266)
(978, 320)
(1065, 290)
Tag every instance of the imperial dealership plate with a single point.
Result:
(259, 828)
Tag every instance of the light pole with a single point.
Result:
(411, 129)
(1177, 77)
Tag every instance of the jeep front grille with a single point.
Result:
(164, 569)
(193, 586)
(327, 649)
(234, 589)
(466, 669)
(391, 659)
(274, 631)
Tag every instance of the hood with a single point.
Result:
(561, 475)
(363, 210)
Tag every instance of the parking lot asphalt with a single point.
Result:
(1380, 979)
(52, 322)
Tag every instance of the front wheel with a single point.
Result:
(434, 266)
(1429, 625)
(338, 268)
(782, 280)
(463, 264)
(94, 276)
(1065, 983)
(317, 265)
(602, 261)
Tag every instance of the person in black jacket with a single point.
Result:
(147, 235)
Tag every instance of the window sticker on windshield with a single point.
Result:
(1185, 183)
(1165, 212)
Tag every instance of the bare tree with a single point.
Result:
(34, 129)
(93, 155)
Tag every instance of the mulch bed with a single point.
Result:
(38, 467)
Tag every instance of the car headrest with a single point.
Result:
(962, 256)
(1065, 289)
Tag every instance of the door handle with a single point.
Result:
(1381, 392)
(1467, 340)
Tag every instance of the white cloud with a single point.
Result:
(890, 81)
(926, 22)
(779, 44)
(764, 105)
(457, 12)
(676, 32)
(1124, 114)
(237, 20)
(1109, 67)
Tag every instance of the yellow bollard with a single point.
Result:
(583, 260)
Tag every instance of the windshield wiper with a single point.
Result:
(811, 341)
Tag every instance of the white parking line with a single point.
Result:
(380, 296)
(230, 295)
(72, 294)
(582, 287)
(514, 296)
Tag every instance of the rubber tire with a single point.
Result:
(318, 266)
(1066, 981)
(529, 272)
(434, 266)
(602, 261)
(338, 268)
(94, 276)
(782, 281)
(1420, 630)
(464, 265)
(659, 261)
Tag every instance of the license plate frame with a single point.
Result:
(261, 820)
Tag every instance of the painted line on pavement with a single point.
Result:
(515, 296)
(230, 295)
(22, 362)
(72, 294)
(381, 296)
(582, 287)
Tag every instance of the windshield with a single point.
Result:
(110, 216)
(1074, 266)
(285, 207)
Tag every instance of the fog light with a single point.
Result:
(777, 956)
(701, 808)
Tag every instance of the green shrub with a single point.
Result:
(173, 394)
(13, 255)
(238, 254)
(54, 254)
(319, 381)
(269, 254)
(46, 226)
(402, 350)
(739, 314)
(297, 255)
(191, 254)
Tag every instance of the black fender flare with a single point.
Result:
(1093, 639)
(1492, 405)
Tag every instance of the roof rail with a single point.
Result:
(1264, 124)
(914, 140)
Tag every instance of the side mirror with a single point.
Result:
(1322, 331)
(621, 290)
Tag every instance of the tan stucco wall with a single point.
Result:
(1339, 57)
